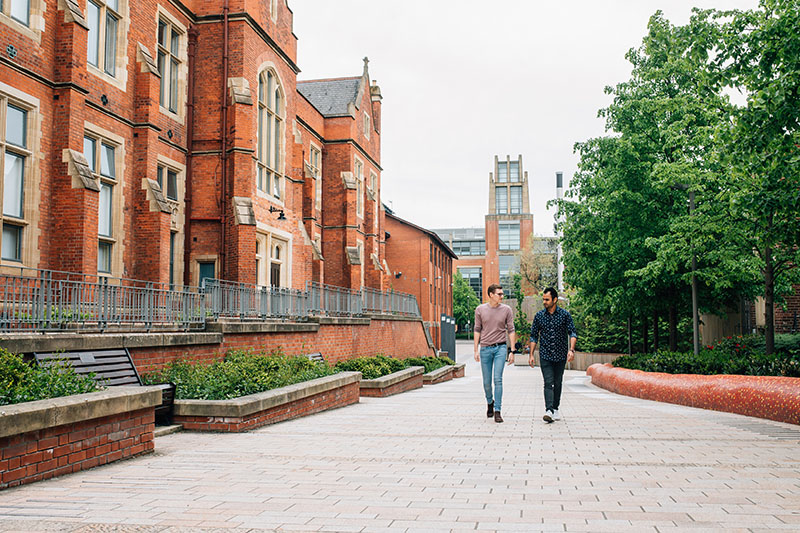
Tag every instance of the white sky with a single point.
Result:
(465, 80)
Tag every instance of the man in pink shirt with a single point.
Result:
(494, 328)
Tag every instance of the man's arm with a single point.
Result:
(477, 347)
(513, 337)
(477, 335)
(573, 337)
(534, 339)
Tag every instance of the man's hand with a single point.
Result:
(510, 357)
(570, 355)
(531, 360)
(477, 357)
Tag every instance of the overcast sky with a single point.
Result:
(465, 80)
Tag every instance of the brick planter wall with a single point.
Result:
(440, 375)
(774, 398)
(459, 370)
(256, 410)
(98, 428)
(395, 383)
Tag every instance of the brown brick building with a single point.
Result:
(423, 266)
(491, 254)
(171, 141)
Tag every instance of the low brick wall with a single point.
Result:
(256, 410)
(48, 438)
(395, 383)
(774, 398)
(459, 370)
(440, 375)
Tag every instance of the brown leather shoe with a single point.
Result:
(497, 417)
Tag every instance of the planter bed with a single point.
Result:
(256, 410)
(459, 370)
(48, 438)
(439, 375)
(770, 397)
(394, 383)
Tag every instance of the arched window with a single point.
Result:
(270, 135)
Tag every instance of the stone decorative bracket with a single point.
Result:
(316, 253)
(376, 262)
(243, 211)
(144, 57)
(349, 180)
(371, 194)
(298, 135)
(353, 257)
(78, 169)
(72, 12)
(308, 172)
(156, 196)
(240, 91)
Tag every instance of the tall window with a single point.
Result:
(18, 10)
(272, 256)
(508, 236)
(359, 172)
(270, 133)
(101, 156)
(367, 125)
(101, 47)
(14, 143)
(315, 162)
(502, 172)
(474, 277)
(516, 200)
(169, 41)
(508, 266)
(513, 171)
(170, 188)
(172, 248)
(501, 199)
(276, 261)
(373, 183)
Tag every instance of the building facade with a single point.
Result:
(172, 142)
(492, 254)
(423, 266)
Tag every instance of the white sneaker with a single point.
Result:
(548, 416)
(556, 415)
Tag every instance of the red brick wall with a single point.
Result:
(396, 338)
(339, 397)
(411, 383)
(59, 450)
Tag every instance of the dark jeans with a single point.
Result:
(553, 374)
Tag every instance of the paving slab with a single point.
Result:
(430, 460)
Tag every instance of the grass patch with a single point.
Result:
(23, 382)
(380, 365)
(742, 355)
(241, 373)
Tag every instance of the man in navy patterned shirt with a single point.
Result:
(552, 328)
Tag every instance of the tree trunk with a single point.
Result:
(630, 336)
(655, 331)
(645, 341)
(769, 303)
(673, 328)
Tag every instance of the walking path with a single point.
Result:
(430, 460)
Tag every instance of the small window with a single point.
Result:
(501, 200)
(359, 172)
(102, 158)
(169, 46)
(315, 162)
(502, 172)
(170, 188)
(367, 126)
(101, 46)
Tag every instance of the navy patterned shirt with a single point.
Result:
(551, 332)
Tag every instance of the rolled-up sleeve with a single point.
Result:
(571, 327)
(535, 327)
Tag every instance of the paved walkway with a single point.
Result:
(430, 460)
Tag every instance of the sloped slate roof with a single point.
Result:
(330, 97)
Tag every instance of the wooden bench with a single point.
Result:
(112, 368)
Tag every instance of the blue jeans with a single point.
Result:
(493, 361)
(553, 374)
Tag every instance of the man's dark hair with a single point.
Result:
(493, 288)
(552, 292)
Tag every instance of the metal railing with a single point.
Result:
(49, 300)
(247, 301)
(330, 300)
(389, 303)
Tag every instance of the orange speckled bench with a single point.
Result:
(771, 397)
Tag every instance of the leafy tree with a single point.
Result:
(464, 301)
(522, 326)
(537, 264)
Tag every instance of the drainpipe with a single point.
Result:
(224, 139)
(187, 200)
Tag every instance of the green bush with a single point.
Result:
(22, 382)
(381, 365)
(371, 367)
(240, 374)
(743, 355)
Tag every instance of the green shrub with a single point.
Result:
(240, 374)
(430, 363)
(371, 367)
(743, 355)
(22, 382)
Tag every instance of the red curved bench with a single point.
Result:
(774, 398)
